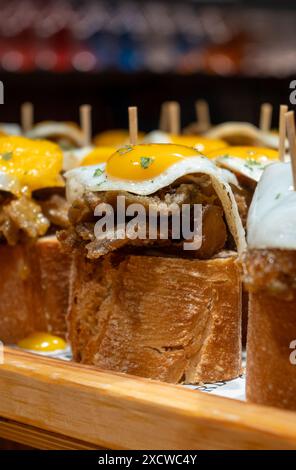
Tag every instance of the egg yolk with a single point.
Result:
(202, 144)
(35, 163)
(146, 161)
(246, 153)
(115, 138)
(97, 155)
(42, 342)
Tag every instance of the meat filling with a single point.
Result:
(25, 218)
(214, 232)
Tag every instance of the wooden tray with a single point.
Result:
(52, 404)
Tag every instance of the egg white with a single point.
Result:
(10, 128)
(9, 183)
(272, 215)
(157, 137)
(73, 158)
(246, 130)
(240, 166)
(45, 130)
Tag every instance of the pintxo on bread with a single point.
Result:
(146, 307)
(269, 274)
(33, 272)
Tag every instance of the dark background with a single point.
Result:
(235, 54)
(57, 96)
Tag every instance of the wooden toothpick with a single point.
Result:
(202, 115)
(163, 119)
(265, 117)
(133, 124)
(173, 108)
(85, 123)
(282, 132)
(27, 116)
(290, 125)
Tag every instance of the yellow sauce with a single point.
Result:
(42, 342)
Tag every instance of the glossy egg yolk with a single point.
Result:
(35, 163)
(97, 155)
(202, 144)
(42, 342)
(145, 162)
(260, 154)
(115, 138)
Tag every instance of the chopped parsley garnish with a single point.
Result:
(98, 172)
(251, 163)
(226, 155)
(7, 156)
(125, 149)
(278, 195)
(146, 162)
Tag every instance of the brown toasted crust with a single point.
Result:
(34, 289)
(54, 272)
(164, 318)
(15, 294)
(245, 313)
(271, 378)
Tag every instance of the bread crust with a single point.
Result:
(34, 289)
(175, 320)
(271, 377)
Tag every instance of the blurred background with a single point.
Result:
(114, 53)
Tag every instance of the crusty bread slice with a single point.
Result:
(271, 377)
(34, 289)
(175, 320)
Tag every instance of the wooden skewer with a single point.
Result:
(133, 124)
(202, 115)
(282, 132)
(173, 113)
(27, 116)
(265, 117)
(163, 120)
(290, 125)
(85, 123)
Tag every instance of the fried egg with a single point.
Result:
(142, 169)
(147, 168)
(245, 161)
(57, 130)
(202, 144)
(34, 164)
(115, 138)
(244, 133)
(86, 156)
(272, 215)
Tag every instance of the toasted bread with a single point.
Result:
(271, 376)
(171, 319)
(34, 289)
